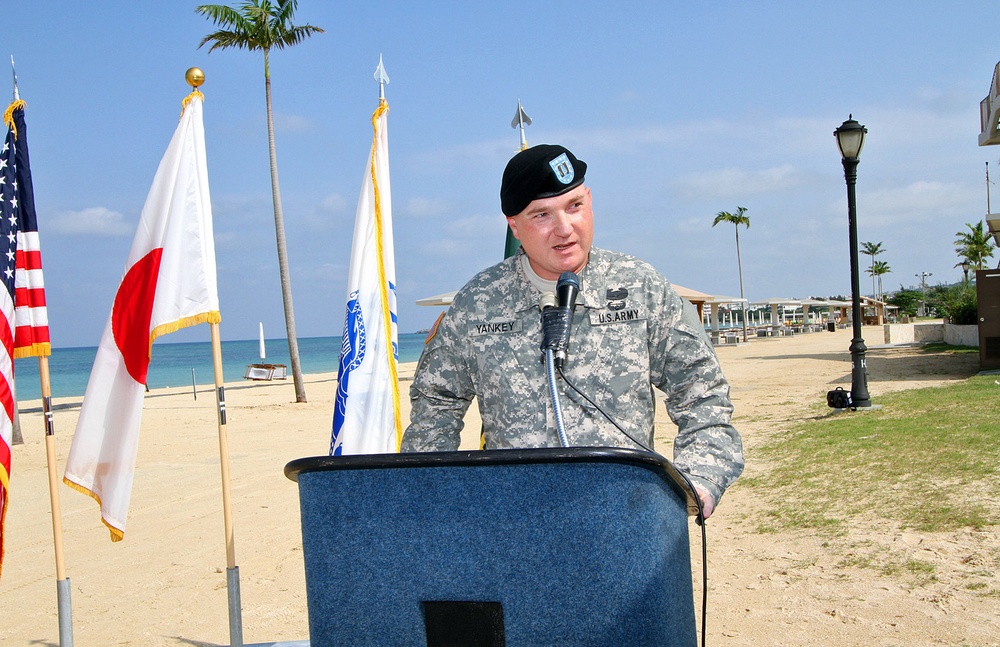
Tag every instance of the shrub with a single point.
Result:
(906, 300)
(958, 303)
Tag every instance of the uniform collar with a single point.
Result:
(593, 284)
(593, 280)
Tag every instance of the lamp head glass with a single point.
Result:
(850, 138)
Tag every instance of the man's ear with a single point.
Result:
(512, 223)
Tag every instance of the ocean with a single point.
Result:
(172, 364)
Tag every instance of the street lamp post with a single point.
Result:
(922, 311)
(850, 140)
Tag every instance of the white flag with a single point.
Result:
(169, 284)
(366, 411)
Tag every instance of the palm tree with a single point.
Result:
(879, 269)
(974, 246)
(738, 218)
(263, 25)
(872, 250)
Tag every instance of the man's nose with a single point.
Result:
(562, 224)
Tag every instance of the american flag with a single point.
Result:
(24, 327)
(31, 337)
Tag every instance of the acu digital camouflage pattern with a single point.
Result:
(631, 331)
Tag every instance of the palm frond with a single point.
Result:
(285, 10)
(224, 40)
(256, 25)
(738, 218)
(295, 35)
(220, 14)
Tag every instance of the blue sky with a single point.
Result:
(681, 110)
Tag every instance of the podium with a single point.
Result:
(567, 546)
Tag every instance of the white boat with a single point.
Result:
(262, 371)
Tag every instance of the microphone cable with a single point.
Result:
(699, 519)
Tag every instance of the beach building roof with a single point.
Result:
(778, 301)
(826, 303)
(993, 222)
(438, 300)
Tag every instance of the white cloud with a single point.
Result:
(420, 207)
(94, 221)
(694, 224)
(629, 96)
(324, 273)
(444, 247)
(225, 238)
(475, 227)
(737, 182)
(294, 123)
(472, 157)
(331, 212)
(920, 201)
(334, 203)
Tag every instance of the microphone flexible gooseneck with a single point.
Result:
(557, 414)
(556, 323)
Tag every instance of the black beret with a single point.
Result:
(541, 171)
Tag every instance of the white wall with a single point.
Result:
(923, 333)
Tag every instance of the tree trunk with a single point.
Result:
(739, 265)
(279, 235)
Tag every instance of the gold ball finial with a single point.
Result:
(194, 76)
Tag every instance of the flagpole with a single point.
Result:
(382, 78)
(520, 121)
(366, 417)
(195, 77)
(232, 570)
(63, 589)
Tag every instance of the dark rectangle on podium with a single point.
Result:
(577, 546)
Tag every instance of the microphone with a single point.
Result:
(567, 288)
(557, 321)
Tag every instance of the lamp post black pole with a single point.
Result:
(859, 375)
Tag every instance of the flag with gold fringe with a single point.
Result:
(366, 410)
(24, 324)
(169, 284)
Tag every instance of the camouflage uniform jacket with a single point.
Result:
(630, 332)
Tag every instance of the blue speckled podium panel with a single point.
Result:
(579, 546)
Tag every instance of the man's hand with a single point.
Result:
(707, 502)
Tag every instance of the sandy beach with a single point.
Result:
(165, 584)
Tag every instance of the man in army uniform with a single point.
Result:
(631, 332)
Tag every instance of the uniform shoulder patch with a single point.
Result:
(434, 329)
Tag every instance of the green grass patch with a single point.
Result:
(927, 460)
(940, 346)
